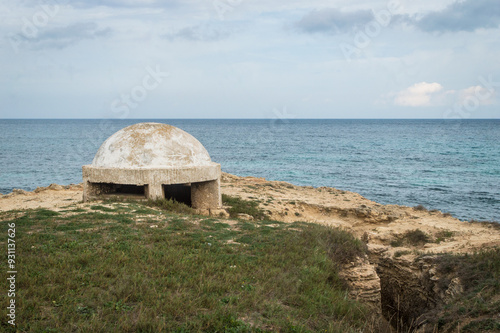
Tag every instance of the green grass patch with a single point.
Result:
(97, 272)
(477, 271)
(102, 208)
(479, 274)
(241, 206)
(485, 325)
(144, 210)
(78, 210)
(171, 205)
(43, 214)
(443, 235)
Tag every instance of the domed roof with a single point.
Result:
(151, 145)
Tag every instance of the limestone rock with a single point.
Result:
(377, 249)
(17, 191)
(40, 189)
(219, 213)
(245, 217)
(363, 282)
(76, 186)
(455, 288)
(205, 212)
(227, 177)
(55, 187)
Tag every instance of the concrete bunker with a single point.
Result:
(154, 161)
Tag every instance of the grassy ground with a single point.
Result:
(480, 302)
(240, 206)
(128, 267)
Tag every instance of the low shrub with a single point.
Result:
(241, 206)
(412, 237)
(416, 237)
(420, 208)
(171, 205)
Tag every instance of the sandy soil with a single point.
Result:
(53, 197)
(379, 224)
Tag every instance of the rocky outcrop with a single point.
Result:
(363, 282)
(377, 213)
(56, 187)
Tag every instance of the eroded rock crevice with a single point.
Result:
(412, 292)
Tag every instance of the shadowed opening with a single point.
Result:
(178, 192)
(110, 189)
(130, 189)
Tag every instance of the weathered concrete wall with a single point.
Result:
(205, 180)
(151, 145)
(143, 176)
(154, 191)
(91, 190)
(206, 195)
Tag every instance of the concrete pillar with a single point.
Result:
(154, 191)
(206, 195)
(90, 190)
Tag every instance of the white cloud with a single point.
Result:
(420, 94)
(476, 94)
(433, 94)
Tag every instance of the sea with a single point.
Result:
(449, 165)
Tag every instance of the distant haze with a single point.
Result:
(250, 59)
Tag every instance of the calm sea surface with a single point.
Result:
(450, 165)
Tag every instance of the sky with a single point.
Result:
(250, 59)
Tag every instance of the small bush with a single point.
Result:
(401, 253)
(411, 237)
(240, 206)
(342, 246)
(365, 238)
(442, 235)
(420, 208)
(171, 206)
(397, 243)
(416, 237)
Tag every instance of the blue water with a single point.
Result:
(450, 165)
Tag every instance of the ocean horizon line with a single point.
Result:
(274, 118)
